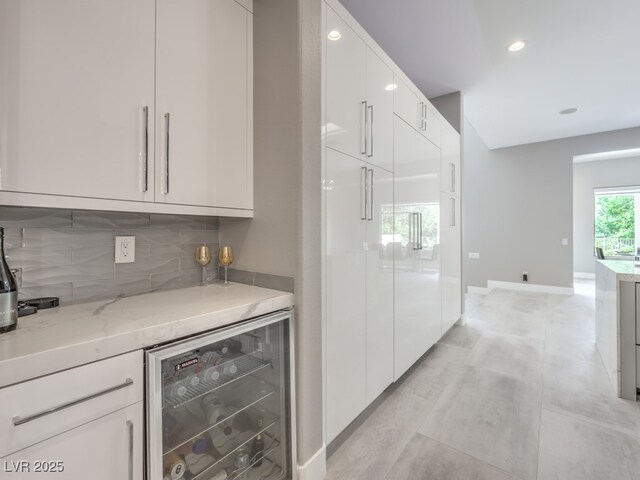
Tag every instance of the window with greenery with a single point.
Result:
(615, 224)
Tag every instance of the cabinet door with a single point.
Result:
(346, 88)
(104, 449)
(416, 243)
(345, 291)
(408, 106)
(432, 125)
(76, 77)
(203, 106)
(450, 161)
(380, 88)
(451, 261)
(379, 282)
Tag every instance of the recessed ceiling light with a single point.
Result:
(391, 87)
(334, 35)
(568, 111)
(517, 45)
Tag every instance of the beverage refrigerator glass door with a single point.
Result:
(220, 405)
(8, 293)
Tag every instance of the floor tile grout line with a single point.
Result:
(590, 421)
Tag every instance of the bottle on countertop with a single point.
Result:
(8, 293)
(257, 449)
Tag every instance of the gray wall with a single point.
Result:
(70, 254)
(518, 204)
(284, 236)
(450, 107)
(588, 176)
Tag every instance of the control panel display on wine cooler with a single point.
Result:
(220, 404)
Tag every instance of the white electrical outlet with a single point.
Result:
(125, 249)
(474, 255)
(565, 242)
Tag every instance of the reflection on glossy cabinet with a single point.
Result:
(416, 246)
(379, 282)
(77, 90)
(345, 290)
(346, 88)
(203, 111)
(107, 448)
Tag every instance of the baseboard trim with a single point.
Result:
(530, 287)
(584, 275)
(316, 466)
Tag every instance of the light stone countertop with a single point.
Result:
(625, 269)
(65, 337)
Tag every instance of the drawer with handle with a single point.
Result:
(38, 409)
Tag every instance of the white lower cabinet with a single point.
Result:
(345, 291)
(417, 310)
(107, 448)
(87, 421)
(451, 261)
(359, 287)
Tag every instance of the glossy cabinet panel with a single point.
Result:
(379, 282)
(345, 128)
(416, 246)
(203, 110)
(450, 161)
(380, 112)
(345, 291)
(107, 448)
(76, 76)
(408, 106)
(451, 261)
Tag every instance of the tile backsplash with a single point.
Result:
(70, 253)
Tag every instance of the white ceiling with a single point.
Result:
(580, 53)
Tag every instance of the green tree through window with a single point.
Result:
(615, 224)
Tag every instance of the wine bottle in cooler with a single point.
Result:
(8, 293)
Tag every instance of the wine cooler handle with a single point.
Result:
(145, 149)
(130, 428)
(20, 421)
(167, 126)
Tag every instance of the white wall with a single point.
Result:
(518, 205)
(588, 176)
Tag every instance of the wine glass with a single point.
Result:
(225, 257)
(203, 257)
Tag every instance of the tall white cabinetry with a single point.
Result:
(384, 175)
(451, 230)
(141, 106)
(359, 211)
(417, 319)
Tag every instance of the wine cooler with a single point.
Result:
(220, 405)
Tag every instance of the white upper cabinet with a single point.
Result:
(345, 128)
(418, 112)
(379, 133)
(359, 116)
(203, 113)
(77, 82)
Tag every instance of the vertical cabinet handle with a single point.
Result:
(421, 115)
(167, 126)
(363, 144)
(424, 117)
(363, 193)
(452, 168)
(145, 149)
(130, 428)
(452, 221)
(370, 194)
(370, 108)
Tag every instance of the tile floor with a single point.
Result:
(518, 392)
